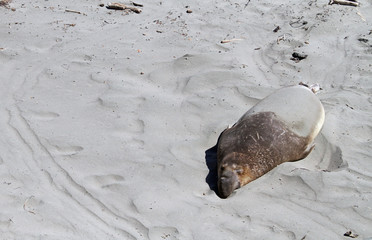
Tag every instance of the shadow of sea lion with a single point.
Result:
(211, 161)
(326, 157)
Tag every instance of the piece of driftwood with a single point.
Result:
(344, 2)
(72, 11)
(5, 3)
(120, 6)
(231, 40)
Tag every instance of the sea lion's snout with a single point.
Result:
(228, 181)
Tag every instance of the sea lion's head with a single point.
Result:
(232, 174)
(228, 180)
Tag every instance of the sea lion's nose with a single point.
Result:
(227, 183)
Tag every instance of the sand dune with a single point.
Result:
(108, 119)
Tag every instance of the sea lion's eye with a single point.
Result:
(224, 166)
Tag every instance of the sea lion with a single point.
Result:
(280, 128)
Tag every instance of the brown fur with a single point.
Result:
(254, 146)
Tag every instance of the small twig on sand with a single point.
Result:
(247, 3)
(344, 2)
(361, 16)
(67, 25)
(137, 4)
(120, 6)
(231, 40)
(72, 11)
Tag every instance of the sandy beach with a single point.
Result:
(109, 118)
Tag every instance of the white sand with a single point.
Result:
(90, 148)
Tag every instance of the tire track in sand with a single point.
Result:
(51, 175)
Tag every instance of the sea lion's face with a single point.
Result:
(233, 173)
(228, 179)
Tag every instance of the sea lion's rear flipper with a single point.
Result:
(305, 153)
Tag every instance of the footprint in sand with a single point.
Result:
(105, 181)
(98, 77)
(67, 150)
(42, 115)
(132, 127)
(117, 100)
